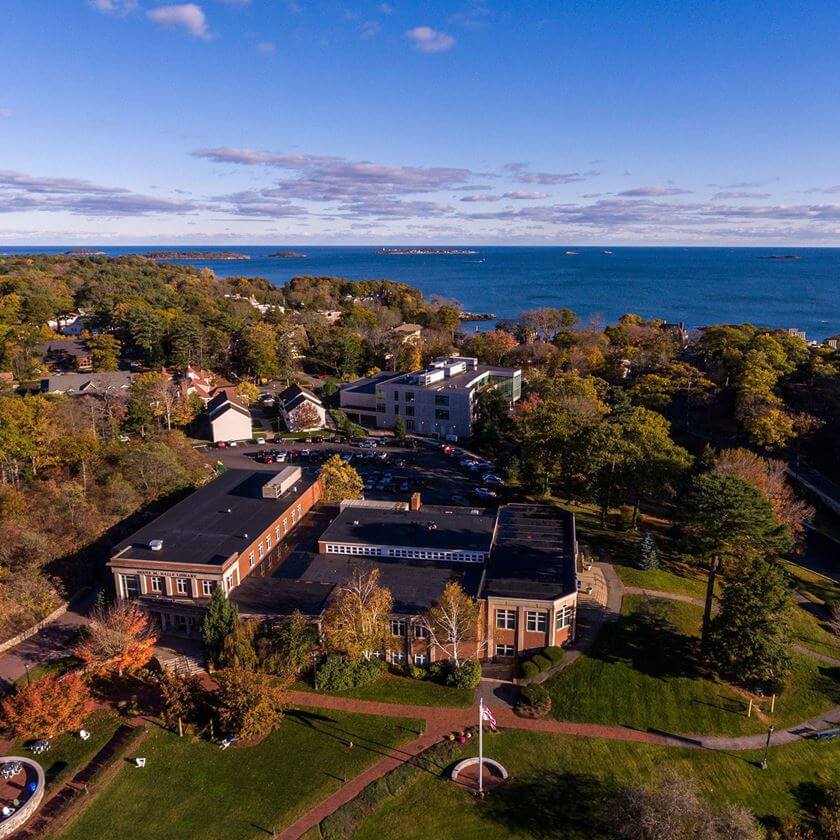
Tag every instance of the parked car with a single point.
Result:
(483, 493)
(461, 500)
(233, 443)
(261, 441)
(492, 479)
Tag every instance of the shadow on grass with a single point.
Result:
(539, 804)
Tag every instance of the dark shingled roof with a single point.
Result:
(534, 553)
(199, 529)
(456, 528)
(294, 395)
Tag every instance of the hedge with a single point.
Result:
(533, 695)
(542, 662)
(529, 669)
(340, 674)
(554, 653)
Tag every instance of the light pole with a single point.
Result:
(767, 747)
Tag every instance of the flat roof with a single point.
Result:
(534, 554)
(367, 384)
(459, 380)
(271, 596)
(217, 520)
(435, 527)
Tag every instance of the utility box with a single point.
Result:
(278, 484)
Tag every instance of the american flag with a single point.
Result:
(487, 716)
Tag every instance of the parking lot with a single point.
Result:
(390, 472)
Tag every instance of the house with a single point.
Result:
(440, 399)
(232, 528)
(103, 383)
(73, 325)
(228, 419)
(195, 382)
(68, 353)
(300, 409)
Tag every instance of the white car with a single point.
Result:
(261, 441)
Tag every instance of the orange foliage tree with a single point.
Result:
(47, 707)
(119, 639)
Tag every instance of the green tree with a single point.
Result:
(340, 481)
(105, 350)
(727, 519)
(239, 646)
(257, 350)
(750, 636)
(647, 553)
(399, 428)
(219, 620)
(286, 648)
(249, 703)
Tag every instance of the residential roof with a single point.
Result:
(221, 404)
(533, 555)
(81, 383)
(434, 527)
(294, 395)
(216, 521)
(407, 328)
(68, 346)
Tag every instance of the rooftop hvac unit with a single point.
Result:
(156, 545)
(278, 484)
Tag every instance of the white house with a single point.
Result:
(300, 409)
(229, 420)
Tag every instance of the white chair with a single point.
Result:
(140, 762)
(84, 734)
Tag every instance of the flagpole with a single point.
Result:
(481, 746)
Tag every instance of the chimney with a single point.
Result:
(414, 504)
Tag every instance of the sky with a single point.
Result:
(472, 121)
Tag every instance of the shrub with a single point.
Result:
(533, 695)
(529, 669)
(542, 662)
(466, 675)
(554, 653)
(341, 674)
(416, 672)
(647, 553)
(400, 776)
(438, 671)
(344, 822)
(375, 793)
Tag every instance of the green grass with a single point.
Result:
(815, 587)
(69, 753)
(642, 673)
(191, 788)
(557, 780)
(810, 630)
(391, 688)
(55, 667)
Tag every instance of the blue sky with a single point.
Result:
(272, 121)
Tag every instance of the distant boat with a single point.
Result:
(571, 253)
(607, 252)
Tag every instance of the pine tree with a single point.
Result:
(218, 622)
(750, 638)
(647, 554)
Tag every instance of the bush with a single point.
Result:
(647, 553)
(542, 662)
(438, 671)
(466, 675)
(341, 674)
(416, 672)
(529, 669)
(533, 695)
(400, 776)
(344, 822)
(554, 653)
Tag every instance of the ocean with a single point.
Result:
(696, 285)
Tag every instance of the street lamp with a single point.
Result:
(767, 747)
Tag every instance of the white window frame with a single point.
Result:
(207, 588)
(156, 584)
(397, 657)
(506, 650)
(421, 631)
(398, 627)
(185, 582)
(535, 618)
(563, 617)
(421, 659)
(505, 619)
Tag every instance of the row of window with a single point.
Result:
(411, 553)
(399, 625)
(536, 621)
(183, 586)
(264, 547)
(398, 658)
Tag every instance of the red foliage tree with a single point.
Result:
(119, 639)
(47, 707)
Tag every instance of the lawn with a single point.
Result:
(391, 688)
(642, 673)
(815, 587)
(69, 753)
(557, 781)
(810, 630)
(191, 788)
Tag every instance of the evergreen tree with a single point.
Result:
(647, 554)
(750, 638)
(219, 620)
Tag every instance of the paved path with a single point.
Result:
(51, 642)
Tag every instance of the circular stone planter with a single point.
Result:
(16, 788)
(465, 773)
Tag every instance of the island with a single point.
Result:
(194, 255)
(476, 316)
(782, 257)
(84, 252)
(286, 255)
(426, 251)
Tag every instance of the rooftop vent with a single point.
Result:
(432, 526)
(355, 521)
(156, 545)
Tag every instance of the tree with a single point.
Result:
(47, 707)
(285, 649)
(647, 555)
(726, 519)
(249, 703)
(219, 620)
(340, 481)
(307, 417)
(750, 638)
(452, 621)
(247, 392)
(238, 648)
(117, 639)
(257, 350)
(179, 697)
(399, 428)
(409, 355)
(356, 619)
(105, 351)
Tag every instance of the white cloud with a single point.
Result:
(653, 192)
(524, 195)
(370, 29)
(385, 8)
(115, 7)
(266, 47)
(481, 197)
(188, 16)
(428, 40)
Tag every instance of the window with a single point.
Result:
(380, 407)
(156, 584)
(535, 621)
(409, 411)
(397, 658)
(398, 627)
(409, 425)
(261, 550)
(562, 618)
(441, 414)
(285, 526)
(251, 559)
(182, 584)
(409, 396)
(504, 650)
(441, 399)
(506, 619)
(421, 658)
(277, 533)
(207, 587)
(268, 542)
(421, 631)
(396, 408)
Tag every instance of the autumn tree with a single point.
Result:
(409, 356)
(249, 703)
(116, 639)
(180, 697)
(47, 707)
(286, 647)
(307, 417)
(238, 647)
(726, 519)
(356, 619)
(452, 621)
(340, 481)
